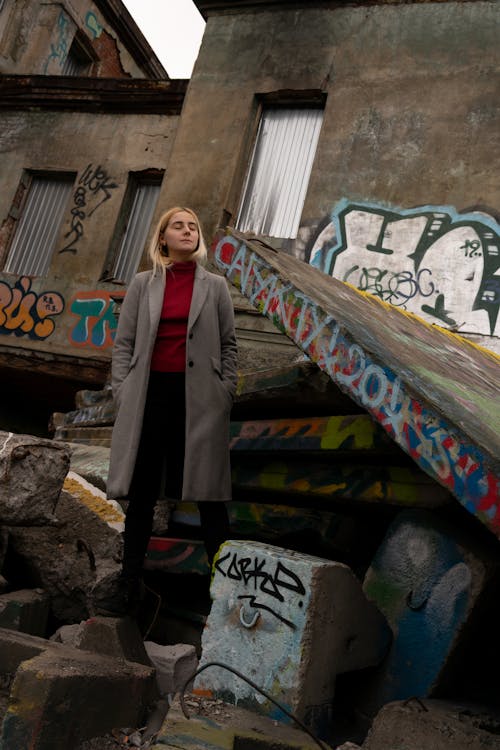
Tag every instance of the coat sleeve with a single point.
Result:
(229, 349)
(124, 344)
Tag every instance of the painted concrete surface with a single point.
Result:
(271, 609)
(345, 481)
(433, 261)
(352, 433)
(427, 584)
(434, 393)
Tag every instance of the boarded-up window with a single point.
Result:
(143, 197)
(38, 227)
(277, 179)
(78, 62)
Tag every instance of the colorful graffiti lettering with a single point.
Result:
(26, 313)
(93, 25)
(96, 324)
(59, 50)
(432, 261)
(94, 188)
(251, 569)
(454, 462)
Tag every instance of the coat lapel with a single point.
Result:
(200, 291)
(156, 292)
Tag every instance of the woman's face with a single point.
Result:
(181, 236)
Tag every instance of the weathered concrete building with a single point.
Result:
(88, 119)
(360, 137)
(370, 128)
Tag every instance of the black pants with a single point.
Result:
(162, 447)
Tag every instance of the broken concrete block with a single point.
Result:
(91, 462)
(416, 724)
(32, 472)
(109, 636)
(16, 647)
(214, 725)
(290, 622)
(174, 665)
(64, 696)
(112, 636)
(71, 560)
(95, 499)
(427, 582)
(66, 634)
(26, 610)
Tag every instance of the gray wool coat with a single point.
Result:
(210, 383)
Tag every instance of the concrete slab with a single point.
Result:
(427, 582)
(63, 696)
(26, 610)
(215, 725)
(32, 471)
(290, 622)
(112, 636)
(174, 665)
(415, 724)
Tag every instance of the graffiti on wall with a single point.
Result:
(93, 25)
(59, 50)
(423, 583)
(26, 313)
(431, 261)
(422, 433)
(96, 322)
(94, 188)
(261, 597)
(272, 584)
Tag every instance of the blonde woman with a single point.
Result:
(173, 380)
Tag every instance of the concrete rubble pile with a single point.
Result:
(72, 674)
(61, 539)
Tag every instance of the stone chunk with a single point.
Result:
(16, 647)
(32, 472)
(290, 622)
(112, 636)
(62, 696)
(215, 725)
(174, 665)
(74, 561)
(427, 581)
(26, 610)
(415, 724)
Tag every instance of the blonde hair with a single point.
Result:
(156, 253)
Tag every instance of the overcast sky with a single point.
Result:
(173, 28)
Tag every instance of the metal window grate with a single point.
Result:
(276, 183)
(38, 227)
(131, 247)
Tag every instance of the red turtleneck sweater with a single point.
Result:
(169, 353)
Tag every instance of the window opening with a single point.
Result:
(143, 199)
(277, 179)
(39, 224)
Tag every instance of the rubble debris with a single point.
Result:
(61, 695)
(26, 610)
(174, 665)
(76, 561)
(271, 608)
(415, 724)
(32, 472)
(109, 636)
(423, 576)
(95, 499)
